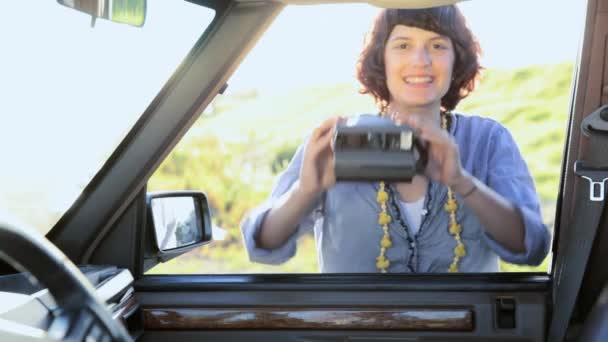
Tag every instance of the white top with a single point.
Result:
(413, 213)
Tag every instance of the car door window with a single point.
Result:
(302, 72)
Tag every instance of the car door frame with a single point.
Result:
(589, 93)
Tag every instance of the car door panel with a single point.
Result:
(344, 307)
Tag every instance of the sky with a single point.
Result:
(329, 38)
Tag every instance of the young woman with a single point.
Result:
(475, 203)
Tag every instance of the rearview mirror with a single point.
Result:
(131, 12)
(179, 220)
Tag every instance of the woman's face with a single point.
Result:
(418, 66)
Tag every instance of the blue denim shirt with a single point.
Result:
(347, 234)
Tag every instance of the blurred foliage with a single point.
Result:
(242, 141)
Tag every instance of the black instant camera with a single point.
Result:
(377, 149)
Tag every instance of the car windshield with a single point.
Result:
(71, 92)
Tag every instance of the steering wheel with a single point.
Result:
(80, 314)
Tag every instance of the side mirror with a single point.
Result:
(180, 221)
(131, 12)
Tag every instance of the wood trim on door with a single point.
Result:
(418, 319)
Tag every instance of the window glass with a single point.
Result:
(71, 92)
(302, 71)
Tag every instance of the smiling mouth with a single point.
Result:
(419, 79)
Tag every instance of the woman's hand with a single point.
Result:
(317, 170)
(443, 155)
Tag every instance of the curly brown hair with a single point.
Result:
(445, 20)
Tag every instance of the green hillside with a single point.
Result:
(240, 143)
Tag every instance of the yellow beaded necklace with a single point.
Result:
(382, 263)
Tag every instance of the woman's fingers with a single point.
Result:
(325, 127)
(323, 135)
(319, 154)
(427, 130)
(443, 155)
(317, 141)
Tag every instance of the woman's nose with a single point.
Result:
(421, 57)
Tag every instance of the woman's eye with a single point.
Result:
(402, 46)
(439, 46)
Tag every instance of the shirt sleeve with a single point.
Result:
(250, 225)
(509, 176)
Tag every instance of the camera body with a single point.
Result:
(372, 148)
